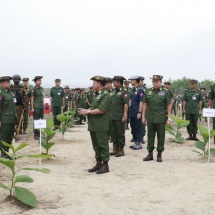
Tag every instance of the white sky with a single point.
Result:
(77, 39)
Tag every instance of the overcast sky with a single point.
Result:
(77, 39)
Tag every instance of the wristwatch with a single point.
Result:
(88, 111)
(169, 119)
(139, 112)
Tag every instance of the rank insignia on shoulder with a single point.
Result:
(150, 93)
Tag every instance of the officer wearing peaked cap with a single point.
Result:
(128, 89)
(67, 99)
(192, 104)
(204, 100)
(136, 106)
(98, 124)
(157, 106)
(119, 110)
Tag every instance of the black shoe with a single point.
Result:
(132, 140)
(159, 157)
(103, 169)
(190, 137)
(195, 138)
(149, 157)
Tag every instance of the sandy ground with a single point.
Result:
(182, 185)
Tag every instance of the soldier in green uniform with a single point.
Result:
(192, 105)
(90, 96)
(126, 87)
(98, 125)
(20, 99)
(204, 101)
(37, 104)
(119, 110)
(27, 102)
(8, 115)
(57, 98)
(157, 106)
(81, 103)
(67, 99)
(167, 85)
(211, 102)
(73, 99)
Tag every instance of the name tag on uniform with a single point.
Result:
(161, 93)
(135, 93)
(98, 97)
(194, 97)
(66, 97)
(59, 94)
(14, 99)
(119, 93)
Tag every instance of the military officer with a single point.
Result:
(167, 85)
(67, 99)
(28, 98)
(211, 102)
(98, 125)
(126, 87)
(204, 101)
(81, 103)
(157, 106)
(136, 106)
(192, 105)
(57, 98)
(8, 114)
(90, 96)
(20, 99)
(37, 104)
(119, 111)
(73, 99)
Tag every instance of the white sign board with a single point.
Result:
(40, 123)
(207, 112)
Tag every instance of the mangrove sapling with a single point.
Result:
(176, 132)
(22, 194)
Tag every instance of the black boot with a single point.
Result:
(195, 138)
(104, 168)
(149, 157)
(97, 166)
(159, 157)
(120, 152)
(190, 137)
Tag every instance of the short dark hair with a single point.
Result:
(102, 83)
(138, 80)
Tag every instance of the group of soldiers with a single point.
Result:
(110, 105)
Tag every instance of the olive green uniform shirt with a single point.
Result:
(90, 97)
(7, 107)
(38, 94)
(100, 122)
(119, 98)
(157, 101)
(80, 101)
(192, 98)
(57, 95)
(67, 98)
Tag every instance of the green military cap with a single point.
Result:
(127, 82)
(142, 78)
(109, 80)
(57, 80)
(157, 77)
(193, 81)
(118, 78)
(66, 87)
(202, 87)
(37, 77)
(25, 79)
(134, 77)
(167, 83)
(82, 89)
(78, 88)
(5, 78)
(98, 78)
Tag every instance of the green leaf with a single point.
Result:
(179, 140)
(178, 135)
(8, 163)
(8, 145)
(48, 145)
(183, 123)
(26, 196)
(23, 145)
(212, 133)
(200, 145)
(4, 186)
(43, 170)
(33, 156)
(212, 151)
(198, 152)
(49, 124)
(23, 178)
(61, 118)
(11, 155)
(50, 134)
(204, 133)
(170, 129)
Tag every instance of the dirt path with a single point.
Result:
(182, 185)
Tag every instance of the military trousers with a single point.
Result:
(6, 134)
(192, 127)
(173, 109)
(19, 109)
(154, 129)
(25, 118)
(56, 111)
(100, 144)
(38, 114)
(136, 129)
(118, 132)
